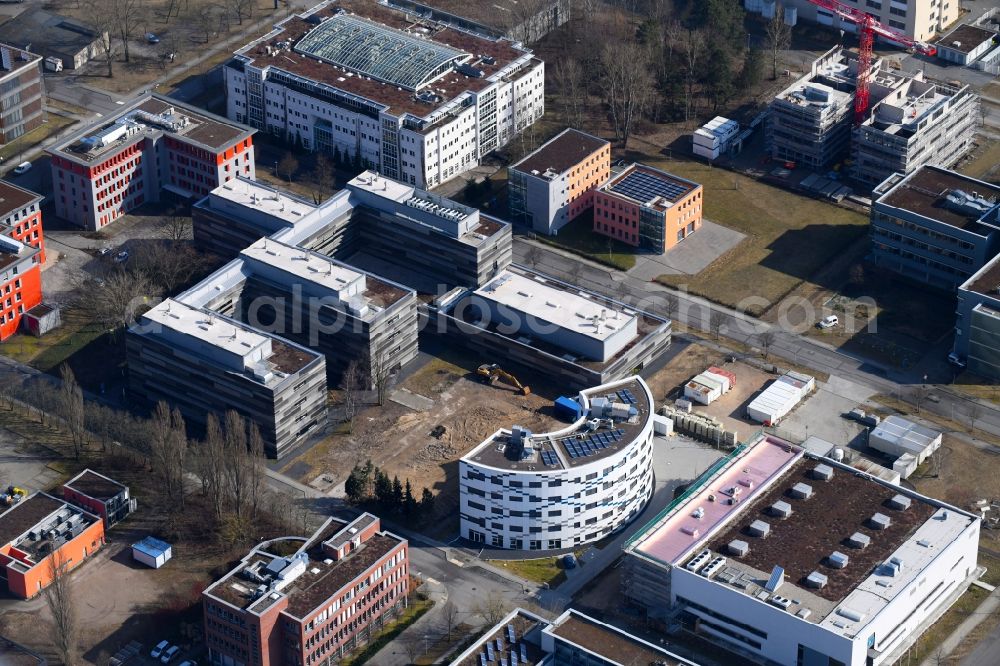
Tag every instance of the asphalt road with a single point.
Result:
(987, 653)
(696, 312)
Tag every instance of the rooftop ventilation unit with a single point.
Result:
(698, 560)
(822, 472)
(838, 560)
(781, 602)
(816, 580)
(880, 521)
(713, 567)
(801, 491)
(781, 509)
(900, 502)
(859, 540)
(759, 528)
(738, 547)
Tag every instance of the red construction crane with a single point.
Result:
(868, 27)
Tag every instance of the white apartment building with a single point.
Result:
(917, 19)
(419, 101)
(526, 491)
(792, 559)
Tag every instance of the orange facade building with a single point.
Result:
(648, 208)
(555, 184)
(156, 144)
(41, 534)
(22, 252)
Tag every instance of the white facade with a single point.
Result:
(449, 138)
(714, 137)
(774, 403)
(529, 505)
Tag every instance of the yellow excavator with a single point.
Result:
(492, 372)
(13, 495)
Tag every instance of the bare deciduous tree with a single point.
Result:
(59, 600)
(627, 85)
(165, 264)
(492, 608)
(176, 227)
(350, 385)
(237, 470)
(778, 36)
(168, 449)
(212, 464)
(71, 408)
(449, 618)
(380, 374)
(115, 300)
(715, 323)
(765, 340)
(322, 178)
(288, 166)
(256, 473)
(693, 47)
(102, 21)
(571, 80)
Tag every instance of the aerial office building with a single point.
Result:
(785, 557)
(977, 322)
(920, 20)
(648, 208)
(99, 495)
(521, 20)
(39, 533)
(153, 144)
(568, 487)
(935, 225)
(375, 222)
(21, 217)
(203, 362)
(576, 337)
(313, 606)
(553, 185)
(417, 100)
(22, 90)
(20, 283)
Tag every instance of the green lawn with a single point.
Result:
(50, 350)
(578, 237)
(543, 570)
(789, 237)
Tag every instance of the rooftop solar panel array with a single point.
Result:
(643, 186)
(592, 443)
(550, 458)
(378, 51)
(627, 397)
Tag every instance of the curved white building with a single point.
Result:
(545, 491)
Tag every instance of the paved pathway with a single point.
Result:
(988, 652)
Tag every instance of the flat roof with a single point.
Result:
(611, 643)
(526, 629)
(27, 513)
(151, 546)
(92, 484)
(14, 198)
(501, 15)
(646, 185)
(905, 433)
(562, 308)
(151, 115)
(741, 476)
(968, 36)
(232, 337)
(322, 578)
(304, 265)
(52, 33)
(16, 59)
(491, 58)
(575, 444)
(985, 281)
(561, 153)
(257, 195)
(925, 192)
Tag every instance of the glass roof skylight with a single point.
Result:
(378, 51)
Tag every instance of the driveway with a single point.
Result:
(691, 256)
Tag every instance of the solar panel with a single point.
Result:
(644, 187)
(524, 652)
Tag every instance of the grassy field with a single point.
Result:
(579, 238)
(985, 162)
(50, 350)
(543, 570)
(12, 151)
(789, 237)
(940, 630)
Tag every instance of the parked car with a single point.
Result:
(104, 251)
(159, 648)
(828, 321)
(956, 360)
(152, 38)
(169, 655)
(23, 167)
(121, 257)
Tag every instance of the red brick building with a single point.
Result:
(312, 607)
(38, 531)
(22, 92)
(156, 144)
(100, 495)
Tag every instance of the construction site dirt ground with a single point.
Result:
(730, 409)
(398, 438)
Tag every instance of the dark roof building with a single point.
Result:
(52, 36)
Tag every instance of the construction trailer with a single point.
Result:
(152, 552)
(715, 137)
(781, 397)
(911, 443)
(709, 386)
